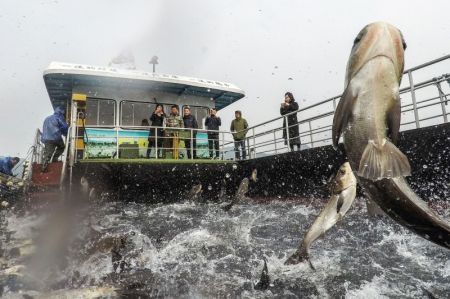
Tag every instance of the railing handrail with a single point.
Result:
(403, 90)
(269, 137)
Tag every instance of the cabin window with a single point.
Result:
(100, 112)
(200, 114)
(134, 112)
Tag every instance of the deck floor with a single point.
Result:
(158, 161)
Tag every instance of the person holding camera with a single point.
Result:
(290, 129)
(212, 124)
(190, 122)
(156, 136)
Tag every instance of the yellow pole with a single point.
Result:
(175, 146)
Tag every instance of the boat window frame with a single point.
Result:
(142, 102)
(98, 112)
(202, 125)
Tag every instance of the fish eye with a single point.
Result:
(357, 40)
(403, 40)
(342, 171)
(360, 35)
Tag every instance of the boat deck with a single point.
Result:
(158, 161)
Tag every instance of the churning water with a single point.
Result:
(189, 250)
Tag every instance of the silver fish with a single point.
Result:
(254, 176)
(368, 117)
(343, 193)
(239, 196)
(195, 192)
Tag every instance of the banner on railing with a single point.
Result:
(102, 143)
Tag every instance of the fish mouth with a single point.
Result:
(373, 58)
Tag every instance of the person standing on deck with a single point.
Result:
(54, 128)
(156, 134)
(291, 129)
(190, 122)
(239, 130)
(212, 123)
(172, 136)
(7, 164)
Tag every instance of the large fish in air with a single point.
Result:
(368, 118)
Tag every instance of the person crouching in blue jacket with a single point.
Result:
(54, 128)
(7, 164)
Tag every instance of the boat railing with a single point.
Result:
(122, 142)
(37, 148)
(422, 104)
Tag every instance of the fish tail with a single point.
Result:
(299, 256)
(383, 161)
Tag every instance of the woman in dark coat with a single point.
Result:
(157, 119)
(290, 105)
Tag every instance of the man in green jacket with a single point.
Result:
(172, 136)
(239, 129)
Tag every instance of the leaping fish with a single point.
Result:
(343, 193)
(368, 117)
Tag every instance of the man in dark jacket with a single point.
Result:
(213, 123)
(190, 122)
(54, 128)
(291, 132)
(7, 164)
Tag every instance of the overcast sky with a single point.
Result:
(254, 44)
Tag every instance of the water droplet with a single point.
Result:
(234, 166)
(425, 166)
(209, 187)
(227, 175)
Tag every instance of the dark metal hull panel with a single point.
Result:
(296, 174)
(305, 173)
(162, 182)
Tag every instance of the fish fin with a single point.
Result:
(342, 114)
(393, 121)
(383, 161)
(339, 204)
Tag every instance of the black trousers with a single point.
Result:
(213, 145)
(52, 148)
(237, 152)
(152, 143)
(187, 143)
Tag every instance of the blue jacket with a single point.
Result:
(6, 165)
(54, 127)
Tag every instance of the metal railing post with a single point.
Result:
(275, 141)
(117, 142)
(443, 102)
(223, 145)
(288, 141)
(254, 144)
(413, 98)
(310, 134)
(192, 144)
(156, 144)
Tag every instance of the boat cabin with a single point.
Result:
(109, 108)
